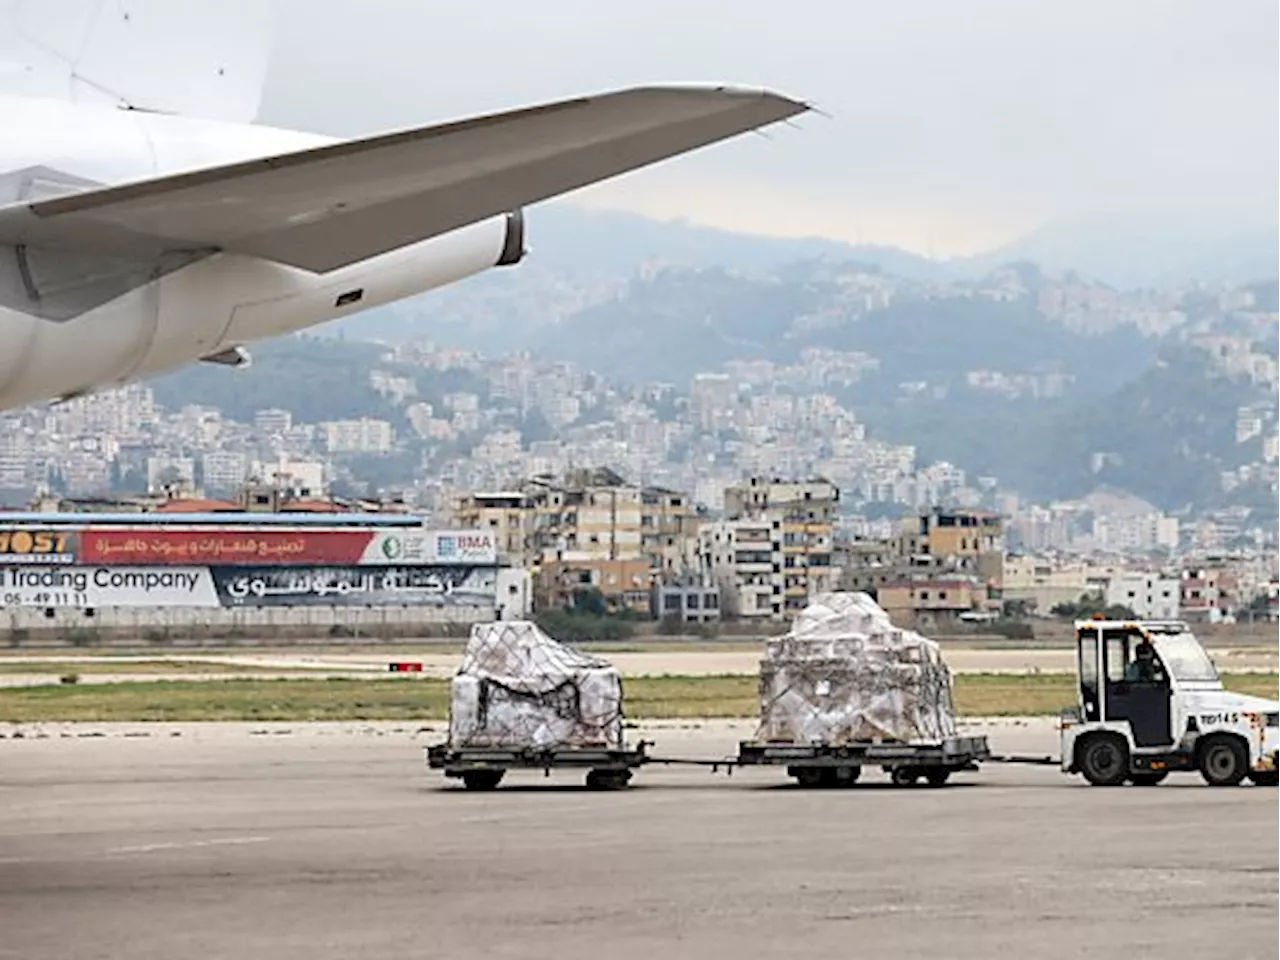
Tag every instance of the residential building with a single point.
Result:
(744, 559)
(224, 470)
(365, 435)
(1151, 596)
(932, 601)
(1209, 594)
(965, 539)
(1040, 584)
(508, 514)
(804, 512)
(686, 602)
(668, 532)
(624, 584)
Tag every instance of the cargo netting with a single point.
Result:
(518, 688)
(846, 674)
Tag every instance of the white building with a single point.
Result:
(224, 470)
(744, 559)
(358, 436)
(172, 472)
(1149, 595)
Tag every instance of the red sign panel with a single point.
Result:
(140, 548)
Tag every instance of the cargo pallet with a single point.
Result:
(831, 765)
(482, 768)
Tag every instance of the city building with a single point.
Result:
(365, 435)
(1150, 596)
(623, 584)
(804, 513)
(1209, 594)
(1039, 585)
(929, 602)
(971, 540)
(744, 558)
(686, 602)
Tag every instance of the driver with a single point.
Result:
(1144, 668)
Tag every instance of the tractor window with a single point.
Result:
(1117, 658)
(1186, 658)
(1089, 676)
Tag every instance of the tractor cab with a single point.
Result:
(1151, 701)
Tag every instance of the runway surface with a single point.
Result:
(649, 663)
(275, 842)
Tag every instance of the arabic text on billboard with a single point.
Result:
(386, 586)
(220, 548)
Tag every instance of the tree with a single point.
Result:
(1093, 604)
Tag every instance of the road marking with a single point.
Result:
(188, 844)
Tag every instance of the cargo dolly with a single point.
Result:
(482, 768)
(840, 765)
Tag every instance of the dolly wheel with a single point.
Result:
(809, 777)
(904, 776)
(608, 779)
(1265, 778)
(1148, 779)
(937, 776)
(482, 779)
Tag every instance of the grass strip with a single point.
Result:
(647, 698)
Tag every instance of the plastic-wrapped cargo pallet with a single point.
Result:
(846, 674)
(519, 688)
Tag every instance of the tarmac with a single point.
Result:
(688, 663)
(316, 841)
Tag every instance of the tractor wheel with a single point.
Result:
(1224, 762)
(1265, 778)
(937, 776)
(1148, 779)
(1104, 760)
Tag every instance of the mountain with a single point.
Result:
(572, 239)
(1142, 252)
(578, 258)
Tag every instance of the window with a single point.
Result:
(924, 594)
(692, 601)
(671, 602)
(942, 594)
(1117, 655)
(711, 602)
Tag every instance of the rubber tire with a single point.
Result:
(1224, 761)
(841, 776)
(904, 776)
(608, 779)
(1265, 778)
(1146, 779)
(1104, 760)
(937, 776)
(482, 779)
(810, 778)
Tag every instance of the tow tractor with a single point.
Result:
(1151, 703)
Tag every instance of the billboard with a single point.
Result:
(22, 586)
(264, 586)
(436, 585)
(478, 547)
(33, 545)
(249, 547)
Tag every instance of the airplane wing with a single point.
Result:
(324, 208)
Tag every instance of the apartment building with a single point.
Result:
(1041, 584)
(1209, 594)
(744, 559)
(797, 518)
(1150, 596)
(970, 539)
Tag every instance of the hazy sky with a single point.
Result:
(956, 124)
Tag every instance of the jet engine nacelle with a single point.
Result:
(209, 308)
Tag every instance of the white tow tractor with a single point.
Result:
(1151, 702)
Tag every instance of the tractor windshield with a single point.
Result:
(1185, 658)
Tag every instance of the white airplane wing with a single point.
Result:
(324, 208)
(200, 58)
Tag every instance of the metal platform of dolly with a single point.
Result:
(813, 765)
(482, 768)
(836, 765)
